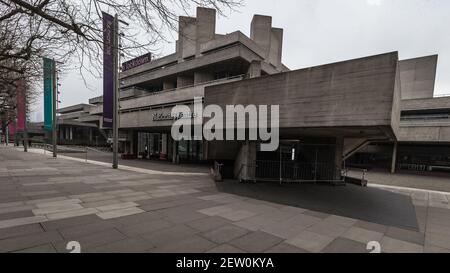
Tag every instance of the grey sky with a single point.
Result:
(323, 31)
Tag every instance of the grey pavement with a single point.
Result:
(433, 181)
(47, 202)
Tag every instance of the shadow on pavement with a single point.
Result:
(368, 204)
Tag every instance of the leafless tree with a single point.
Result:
(70, 31)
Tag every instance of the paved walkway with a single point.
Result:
(429, 181)
(46, 202)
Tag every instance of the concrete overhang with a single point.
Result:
(426, 104)
(155, 64)
(228, 53)
(76, 123)
(74, 108)
(345, 98)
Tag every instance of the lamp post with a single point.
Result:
(115, 163)
(54, 97)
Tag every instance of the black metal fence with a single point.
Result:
(295, 172)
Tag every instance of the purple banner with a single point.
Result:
(21, 107)
(108, 64)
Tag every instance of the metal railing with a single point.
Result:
(295, 172)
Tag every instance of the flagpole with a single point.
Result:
(54, 109)
(115, 163)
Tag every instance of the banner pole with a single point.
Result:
(54, 109)
(25, 129)
(115, 164)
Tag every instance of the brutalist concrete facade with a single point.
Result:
(343, 106)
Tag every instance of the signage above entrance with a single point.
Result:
(137, 62)
(169, 116)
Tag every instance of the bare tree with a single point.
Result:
(70, 31)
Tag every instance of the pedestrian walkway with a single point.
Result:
(47, 202)
(428, 181)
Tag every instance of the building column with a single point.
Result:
(338, 158)
(163, 152)
(175, 152)
(394, 157)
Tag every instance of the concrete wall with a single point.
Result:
(187, 37)
(206, 27)
(418, 77)
(352, 93)
(426, 104)
(424, 134)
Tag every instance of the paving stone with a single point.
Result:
(237, 215)
(256, 242)
(391, 245)
(117, 206)
(224, 234)
(102, 203)
(109, 214)
(56, 209)
(20, 231)
(139, 218)
(208, 223)
(11, 204)
(310, 241)
(145, 227)
(71, 222)
(58, 203)
(328, 229)
(435, 249)
(339, 220)
(285, 248)
(45, 200)
(166, 236)
(71, 213)
(371, 226)
(406, 235)
(215, 210)
(17, 214)
(92, 240)
(317, 214)
(46, 248)
(193, 244)
(344, 245)
(437, 239)
(225, 248)
(86, 229)
(362, 235)
(130, 245)
(16, 209)
(22, 221)
(28, 241)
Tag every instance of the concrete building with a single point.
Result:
(423, 139)
(327, 113)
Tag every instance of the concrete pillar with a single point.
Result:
(254, 70)
(205, 27)
(183, 81)
(276, 47)
(338, 157)
(163, 154)
(169, 85)
(244, 167)
(187, 32)
(394, 157)
(202, 77)
(261, 32)
(175, 152)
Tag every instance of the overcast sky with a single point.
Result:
(323, 31)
